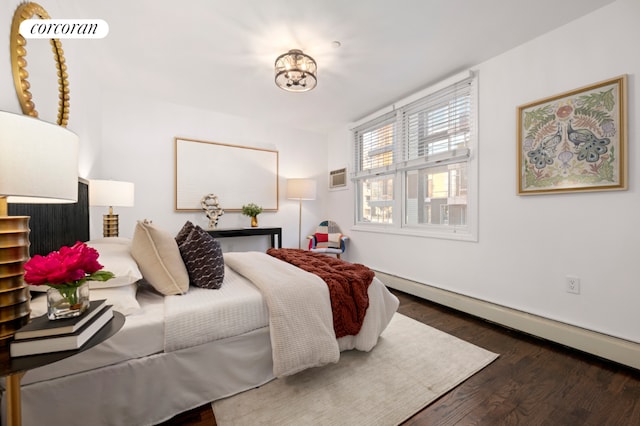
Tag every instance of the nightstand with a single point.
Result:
(14, 368)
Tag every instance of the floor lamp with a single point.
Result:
(301, 189)
(109, 193)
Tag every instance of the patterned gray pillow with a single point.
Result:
(184, 232)
(202, 255)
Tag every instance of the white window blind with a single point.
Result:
(413, 169)
(375, 145)
(437, 128)
(432, 130)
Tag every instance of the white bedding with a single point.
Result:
(300, 316)
(172, 323)
(204, 315)
(130, 372)
(147, 391)
(141, 335)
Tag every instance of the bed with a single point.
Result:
(182, 347)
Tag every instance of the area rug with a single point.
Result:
(412, 365)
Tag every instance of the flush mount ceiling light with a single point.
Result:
(295, 71)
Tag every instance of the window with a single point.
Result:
(414, 168)
(375, 192)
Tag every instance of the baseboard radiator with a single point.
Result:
(612, 348)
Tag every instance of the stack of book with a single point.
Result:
(43, 335)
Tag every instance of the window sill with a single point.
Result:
(448, 234)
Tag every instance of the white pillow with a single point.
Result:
(111, 240)
(115, 256)
(38, 304)
(122, 298)
(158, 256)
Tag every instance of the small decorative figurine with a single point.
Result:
(212, 209)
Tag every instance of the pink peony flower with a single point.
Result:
(70, 266)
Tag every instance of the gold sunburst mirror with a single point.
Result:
(18, 47)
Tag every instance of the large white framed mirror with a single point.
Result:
(42, 81)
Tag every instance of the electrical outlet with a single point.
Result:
(573, 285)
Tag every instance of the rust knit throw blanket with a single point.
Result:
(348, 285)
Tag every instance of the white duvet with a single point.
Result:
(298, 314)
(204, 315)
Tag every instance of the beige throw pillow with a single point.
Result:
(158, 257)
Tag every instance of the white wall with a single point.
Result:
(528, 244)
(138, 146)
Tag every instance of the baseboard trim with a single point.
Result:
(612, 348)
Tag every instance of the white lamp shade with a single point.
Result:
(301, 189)
(38, 161)
(111, 193)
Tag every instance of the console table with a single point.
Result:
(249, 232)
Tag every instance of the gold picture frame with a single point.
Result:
(574, 141)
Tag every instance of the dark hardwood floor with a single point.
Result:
(533, 382)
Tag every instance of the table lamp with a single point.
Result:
(38, 164)
(301, 189)
(110, 193)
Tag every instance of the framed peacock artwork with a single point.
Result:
(574, 141)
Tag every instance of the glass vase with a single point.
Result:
(254, 221)
(67, 302)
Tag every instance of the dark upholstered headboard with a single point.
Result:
(56, 225)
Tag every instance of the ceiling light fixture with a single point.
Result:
(296, 71)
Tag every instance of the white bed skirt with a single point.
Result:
(133, 393)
